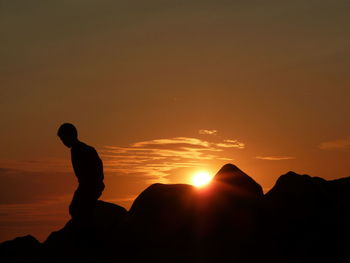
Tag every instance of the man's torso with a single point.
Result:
(88, 167)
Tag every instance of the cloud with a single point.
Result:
(157, 159)
(336, 144)
(36, 165)
(177, 142)
(275, 158)
(24, 186)
(231, 144)
(208, 132)
(30, 181)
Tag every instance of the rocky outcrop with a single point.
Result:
(305, 219)
(181, 220)
(21, 249)
(301, 219)
(87, 244)
(238, 182)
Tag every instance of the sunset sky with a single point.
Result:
(163, 89)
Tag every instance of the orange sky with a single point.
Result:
(166, 88)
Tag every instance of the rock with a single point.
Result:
(21, 249)
(230, 210)
(162, 208)
(78, 244)
(305, 218)
(177, 218)
(240, 184)
(159, 223)
(301, 219)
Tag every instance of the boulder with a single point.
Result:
(306, 219)
(77, 244)
(192, 223)
(21, 249)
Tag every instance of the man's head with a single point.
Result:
(68, 134)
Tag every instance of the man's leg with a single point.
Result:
(82, 207)
(82, 211)
(73, 207)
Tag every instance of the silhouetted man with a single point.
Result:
(88, 168)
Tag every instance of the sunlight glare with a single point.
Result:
(201, 179)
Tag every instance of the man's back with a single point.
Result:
(88, 167)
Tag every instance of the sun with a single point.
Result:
(201, 179)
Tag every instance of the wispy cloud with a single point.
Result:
(208, 132)
(336, 144)
(21, 186)
(172, 143)
(156, 159)
(152, 160)
(36, 165)
(231, 144)
(275, 158)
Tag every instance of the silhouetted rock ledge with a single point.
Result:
(20, 249)
(301, 219)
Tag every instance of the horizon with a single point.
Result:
(164, 90)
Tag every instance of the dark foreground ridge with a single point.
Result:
(301, 219)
